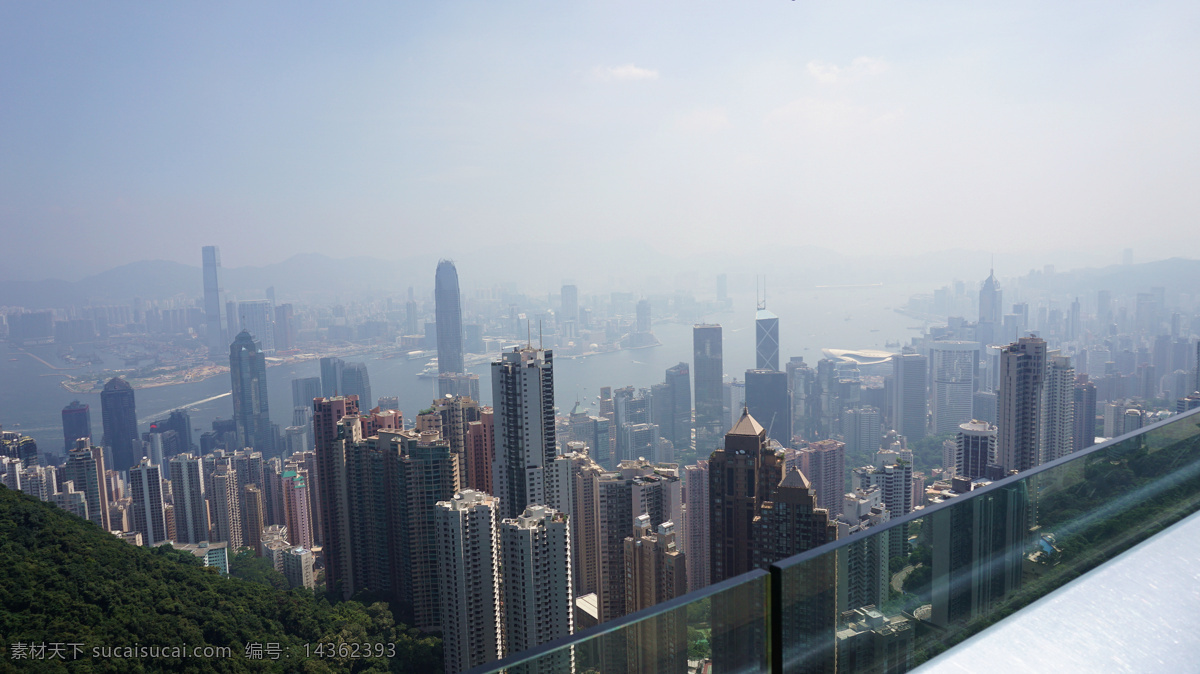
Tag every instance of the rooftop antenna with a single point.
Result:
(539, 334)
(528, 335)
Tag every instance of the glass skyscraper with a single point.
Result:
(448, 315)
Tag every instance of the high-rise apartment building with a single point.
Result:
(975, 449)
(1022, 378)
(790, 522)
(1058, 409)
(523, 408)
(120, 424)
(215, 333)
(637, 487)
(708, 370)
(770, 402)
(253, 519)
(824, 465)
(468, 555)
(1085, 412)
(481, 451)
(536, 588)
(742, 476)
(85, 468)
(331, 439)
(190, 498)
(696, 525)
(910, 402)
(862, 431)
(766, 342)
(224, 500)
(251, 413)
(77, 423)
(448, 315)
(297, 506)
(145, 489)
(655, 571)
(955, 378)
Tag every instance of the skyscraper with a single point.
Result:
(537, 592)
(258, 318)
(1058, 409)
(766, 331)
(910, 402)
(709, 368)
(824, 464)
(768, 399)
(696, 525)
(85, 467)
(330, 448)
(215, 329)
(1022, 377)
(991, 310)
(955, 376)
(788, 524)
(224, 500)
(357, 382)
(248, 372)
(331, 378)
(468, 554)
(145, 488)
(523, 407)
(77, 423)
(677, 417)
(190, 508)
(448, 316)
(741, 476)
(120, 424)
(655, 572)
(1085, 412)
(975, 449)
(570, 303)
(305, 390)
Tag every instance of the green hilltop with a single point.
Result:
(64, 581)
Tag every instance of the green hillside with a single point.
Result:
(64, 581)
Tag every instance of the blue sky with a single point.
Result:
(137, 131)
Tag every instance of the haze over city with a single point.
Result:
(694, 132)
(630, 338)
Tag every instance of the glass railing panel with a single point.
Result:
(888, 600)
(722, 628)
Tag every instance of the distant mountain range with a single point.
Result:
(605, 266)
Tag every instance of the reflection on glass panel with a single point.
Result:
(989, 550)
(722, 628)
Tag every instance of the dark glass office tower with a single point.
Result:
(120, 423)
(769, 401)
(357, 382)
(77, 423)
(707, 359)
(332, 370)
(678, 428)
(766, 342)
(248, 372)
(215, 334)
(448, 314)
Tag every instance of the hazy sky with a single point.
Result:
(145, 130)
